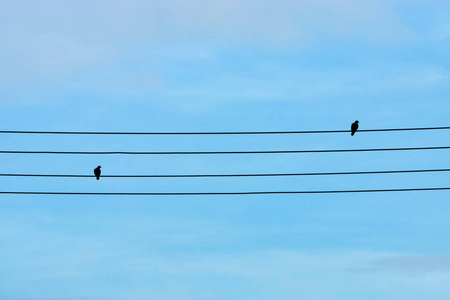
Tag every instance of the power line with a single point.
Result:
(215, 132)
(218, 152)
(229, 175)
(226, 193)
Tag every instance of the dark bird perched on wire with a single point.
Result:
(97, 172)
(355, 126)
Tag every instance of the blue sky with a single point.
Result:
(221, 65)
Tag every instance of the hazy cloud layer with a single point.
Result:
(286, 20)
(58, 35)
(140, 48)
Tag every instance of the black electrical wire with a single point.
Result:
(217, 132)
(229, 175)
(218, 152)
(225, 193)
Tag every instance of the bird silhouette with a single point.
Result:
(355, 126)
(97, 172)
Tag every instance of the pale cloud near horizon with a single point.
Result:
(278, 262)
(414, 263)
(297, 271)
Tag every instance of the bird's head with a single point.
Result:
(356, 121)
(99, 167)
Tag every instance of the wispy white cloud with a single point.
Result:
(146, 248)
